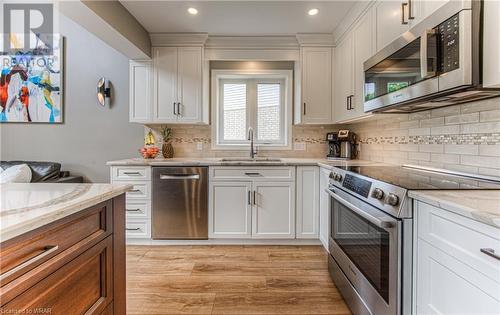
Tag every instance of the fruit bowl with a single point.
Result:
(149, 152)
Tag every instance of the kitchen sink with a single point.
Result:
(250, 160)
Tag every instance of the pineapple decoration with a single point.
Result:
(167, 148)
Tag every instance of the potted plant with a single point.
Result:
(167, 149)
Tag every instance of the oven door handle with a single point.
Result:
(376, 221)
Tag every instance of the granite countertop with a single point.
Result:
(222, 162)
(25, 207)
(480, 205)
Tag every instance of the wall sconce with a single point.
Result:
(103, 91)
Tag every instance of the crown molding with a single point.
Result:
(311, 39)
(351, 18)
(251, 42)
(178, 39)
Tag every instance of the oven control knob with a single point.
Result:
(392, 200)
(338, 177)
(331, 176)
(378, 193)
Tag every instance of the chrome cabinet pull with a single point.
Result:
(254, 197)
(403, 5)
(252, 174)
(347, 102)
(132, 229)
(133, 210)
(179, 109)
(249, 197)
(305, 111)
(175, 113)
(132, 173)
(47, 250)
(490, 252)
(134, 190)
(179, 176)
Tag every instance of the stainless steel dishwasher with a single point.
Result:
(180, 203)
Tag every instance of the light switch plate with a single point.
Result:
(299, 146)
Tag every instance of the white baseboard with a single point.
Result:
(224, 242)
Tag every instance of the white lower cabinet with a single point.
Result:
(324, 207)
(273, 213)
(231, 215)
(251, 202)
(453, 275)
(307, 202)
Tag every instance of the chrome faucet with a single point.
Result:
(253, 151)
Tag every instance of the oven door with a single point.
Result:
(365, 243)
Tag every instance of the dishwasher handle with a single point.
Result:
(180, 176)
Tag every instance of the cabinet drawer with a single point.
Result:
(138, 228)
(140, 190)
(130, 173)
(138, 209)
(460, 237)
(21, 254)
(275, 173)
(82, 286)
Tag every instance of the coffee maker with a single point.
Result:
(341, 145)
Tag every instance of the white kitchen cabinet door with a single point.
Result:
(316, 85)
(389, 21)
(140, 90)
(324, 207)
(230, 214)
(190, 84)
(423, 8)
(491, 44)
(363, 48)
(307, 202)
(165, 84)
(445, 285)
(273, 214)
(344, 87)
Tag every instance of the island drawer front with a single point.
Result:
(275, 173)
(23, 253)
(460, 237)
(138, 209)
(84, 285)
(130, 173)
(138, 228)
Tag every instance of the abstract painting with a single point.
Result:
(31, 86)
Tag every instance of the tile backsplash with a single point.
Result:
(195, 141)
(462, 137)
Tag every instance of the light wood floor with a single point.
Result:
(230, 280)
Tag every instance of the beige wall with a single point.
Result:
(461, 137)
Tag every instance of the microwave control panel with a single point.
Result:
(449, 32)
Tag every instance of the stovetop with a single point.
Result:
(413, 179)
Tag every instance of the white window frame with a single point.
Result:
(285, 77)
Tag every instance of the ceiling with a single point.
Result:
(239, 17)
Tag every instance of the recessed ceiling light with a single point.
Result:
(313, 12)
(192, 11)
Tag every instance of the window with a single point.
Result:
(258, 100)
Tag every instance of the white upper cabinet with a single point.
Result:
(316, 85)
(392, 21)
(140, 90)
(165, 84)
(423, 8)
(189, 84)
(177, 85)
(344, 85)
(491, 45)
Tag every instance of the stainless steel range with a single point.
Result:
(371, 232)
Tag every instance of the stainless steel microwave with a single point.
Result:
(436, 63)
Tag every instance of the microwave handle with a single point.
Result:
(423, 54)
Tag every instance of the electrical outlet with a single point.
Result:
(299, 146)
(199, 146)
